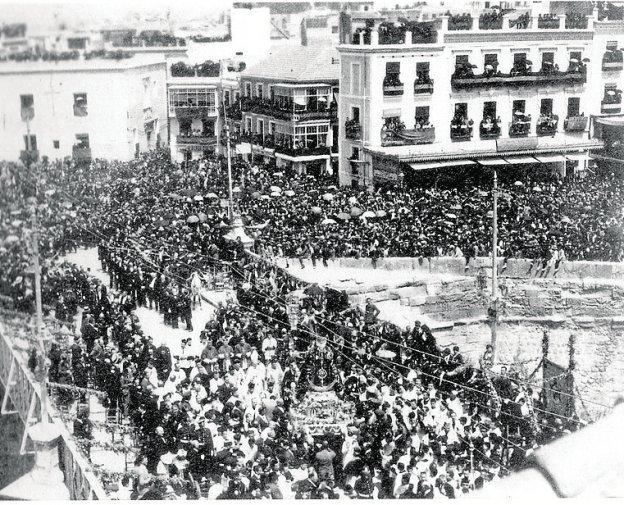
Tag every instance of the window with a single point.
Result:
(236, 96)
(548, 62)
(248, 89)
(518, 105)
(461, 59)
(56, 144)
(272, 127)
(461, 111)
(259, 90)
(520, 59)
(489, 110)
(546, 106)
(393, 70)
(355, 114)
(576, 55)
(76, 43)
(311, 136)
(355, 153)
(30, 142)
(355, 79)
(334, 29)
(260, 127)
(27, 103)
(192, 97)
(574, 106)
(422, 71)
(272, 93)
(82, 140)
(80, 104)
(491, 60)
(226, 97)
(248, 125)
(421, 115)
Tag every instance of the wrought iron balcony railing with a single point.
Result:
(489, 130)
(461, 130)
(547, 125)
(575, 123)
(353, 129)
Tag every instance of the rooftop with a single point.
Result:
(298, 64)
(80, 64)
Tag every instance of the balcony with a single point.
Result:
(467, 82)
(576, 22)
(612, 101)
(193, 112)
(286, 112)
(612, 60)
(402, 137)
(489, 130)
(461, 130)
(302, 151)
(520, 126)
(232, 111)
(575, 124)
(29, 156)
(460, 22)
(424, 32)
(392, 86)
(353, 129)
(491, 21)
(548, 22)
(81, 154)
(547, 125)
(423, 86)
(202, 139)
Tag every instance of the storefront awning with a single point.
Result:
(550, 158)
(521, 160)
(391, 113)
(441, 164)
(577, 156)
(493, 162)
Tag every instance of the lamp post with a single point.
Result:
(493, 310)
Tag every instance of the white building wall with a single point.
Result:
(115, 103)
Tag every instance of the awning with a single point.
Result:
(441, 164)
(391, 113)
(521, 160)
(493, 162)
(550, 158)
(610, 121)
(577, 156)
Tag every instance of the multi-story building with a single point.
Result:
(494, 89)
(192, 92)
(288, 108)
(87, 107)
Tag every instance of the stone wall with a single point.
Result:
(516, 268)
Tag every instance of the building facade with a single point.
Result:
(288, 110)
(494, 89)
(85, 108)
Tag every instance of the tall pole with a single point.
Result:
(42, 368)
(494, 307)
(228, 148)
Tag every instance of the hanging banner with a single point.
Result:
(557, 380)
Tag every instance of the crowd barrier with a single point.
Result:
(514, 268)
(24, 395)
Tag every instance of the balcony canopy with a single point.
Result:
(500, 161)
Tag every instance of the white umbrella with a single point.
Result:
(352, 200)
(611, 92)
(518, 183)
(198, 198)
(212, 195)
(278, 174)
(451, 216)
(275, 189)
(236, 190)
(573, 60)
(368, 214)
(328, 197)
(265, 197)
(50, 192)
(289, 192)
(328, 221)
(275, 193)
(380, 213)
(537, 189)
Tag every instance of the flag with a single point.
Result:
(28, 113)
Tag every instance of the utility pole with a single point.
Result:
(494, 306)
(228, 148)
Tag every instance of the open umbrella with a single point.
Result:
(212, 195)
(50, 192)
(352, 200)
(222, 225)
(368, 214)
(275, 189)
(611, 92)
(192, 219)
(202, 217)
(566, 219)
(289, 192)
(15, 223)
(456, 207)
(328, 221)
(343, 216)
(518, 183)
(380, 213)
(256, 194)
(572, 60)
(265, 197)
(328, 197)
(489, 67)
(275, 193)
(451, 216)
(490, 214)
(198, 198)
(278, 174)
(356, 211)
(236, 190)
(316, 210)
(11, 239)
(537, 189)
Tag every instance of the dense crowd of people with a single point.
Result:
(218, 424)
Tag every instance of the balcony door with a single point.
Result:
(574, 106)
(489, 111)
(519, 106)
(546, 106)
(461, 111)
(421, 116)
(422, 71)
(548, 61)
(490, 63)
(30, 144)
